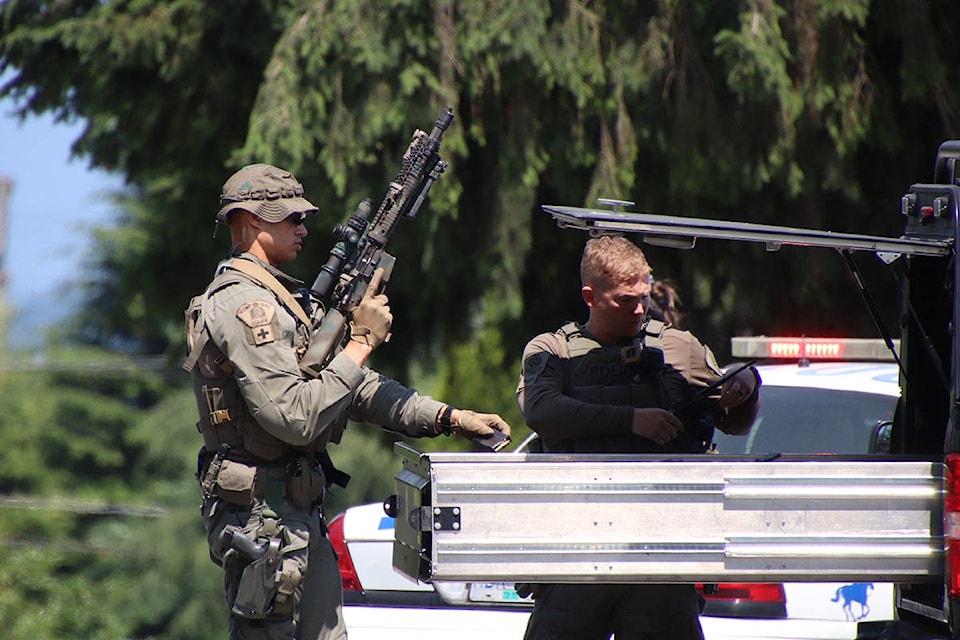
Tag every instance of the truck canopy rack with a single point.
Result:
(682, 232)
(929, 210)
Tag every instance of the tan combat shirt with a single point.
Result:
(259, 337)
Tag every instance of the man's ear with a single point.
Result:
(252, 220)
(241, 217)
(587, 292)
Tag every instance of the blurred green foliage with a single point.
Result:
(792, 112)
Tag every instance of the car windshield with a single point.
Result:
(807, 420)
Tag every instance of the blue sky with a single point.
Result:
(54, 203)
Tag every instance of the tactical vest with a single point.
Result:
(225, 421)
(635, 376)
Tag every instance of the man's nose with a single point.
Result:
(643, 306)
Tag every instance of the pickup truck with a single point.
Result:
(860, 392)
(770, 517)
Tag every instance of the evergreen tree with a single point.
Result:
(787, 112)
(794, 112)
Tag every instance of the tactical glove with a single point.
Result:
(473, 425)
(371, 320)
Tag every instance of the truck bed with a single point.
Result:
(691, 518)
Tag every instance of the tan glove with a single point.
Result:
(371, 320)
(478, 427)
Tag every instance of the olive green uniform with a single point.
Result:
(266, 426)
(579, 397)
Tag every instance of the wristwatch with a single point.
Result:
(444, 421)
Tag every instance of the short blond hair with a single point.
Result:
(612, 261)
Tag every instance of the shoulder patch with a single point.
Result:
(258, 316)
(534, 366)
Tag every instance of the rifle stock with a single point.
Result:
(359, 250)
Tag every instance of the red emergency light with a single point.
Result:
(803, 348)
(951, 523)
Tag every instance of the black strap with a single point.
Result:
(333, 475)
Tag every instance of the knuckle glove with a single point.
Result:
(469, 421)
(371, 323)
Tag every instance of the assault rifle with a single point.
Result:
(359, 250)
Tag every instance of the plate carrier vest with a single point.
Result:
(634, 376)
(225, 422)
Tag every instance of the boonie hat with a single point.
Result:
(270, 193)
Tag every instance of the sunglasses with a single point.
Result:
(297, 219)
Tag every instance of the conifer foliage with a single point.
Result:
(807, 113)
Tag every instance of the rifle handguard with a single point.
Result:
(361, 249)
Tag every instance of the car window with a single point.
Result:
(807, 420)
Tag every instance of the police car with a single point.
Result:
(828, 397)
(825, 397)
(380, 603)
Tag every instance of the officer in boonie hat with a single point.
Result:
(268, 192)
(266, 423)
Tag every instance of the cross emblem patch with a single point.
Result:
(258, 315)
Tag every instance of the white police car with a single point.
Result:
(834, 396)
(380, 603)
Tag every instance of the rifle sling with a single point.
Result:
(267, 279)
(264, 277)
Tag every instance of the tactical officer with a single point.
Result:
(266, 424)
(608, 386)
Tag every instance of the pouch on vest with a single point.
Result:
(305, 483)
(234, 482)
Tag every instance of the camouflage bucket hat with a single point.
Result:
(267, 192)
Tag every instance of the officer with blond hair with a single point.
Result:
(615, 384)
(266, 424)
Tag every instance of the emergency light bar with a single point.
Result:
(802, 348)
